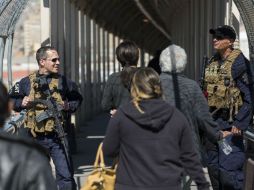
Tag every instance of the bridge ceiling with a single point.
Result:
(144, 21)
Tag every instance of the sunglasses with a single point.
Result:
(55, 60)
(218, 37)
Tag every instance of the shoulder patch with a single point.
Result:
(245, 78)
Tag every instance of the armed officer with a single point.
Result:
(228, 87)
(37, 93)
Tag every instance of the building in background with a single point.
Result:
(32, 40)
(237, 22)
(27, 39)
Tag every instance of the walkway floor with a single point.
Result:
(88, 138)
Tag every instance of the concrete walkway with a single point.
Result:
(88, 138)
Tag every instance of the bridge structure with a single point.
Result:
(86, 33)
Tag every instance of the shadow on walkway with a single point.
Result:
(88, 137)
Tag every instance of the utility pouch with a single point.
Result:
(49, 126)
(30, 120)
(221, 90)
(210, 88)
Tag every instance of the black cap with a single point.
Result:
(223, 32)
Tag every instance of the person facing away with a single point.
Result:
(24, 165)
(116, 91)
(229, 98)
(152, 140)
(48, 85)
(186, 95)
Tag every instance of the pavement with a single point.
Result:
(88, 137)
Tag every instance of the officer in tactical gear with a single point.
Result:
(47, 85)
(229, 98)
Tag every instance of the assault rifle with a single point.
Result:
(54, 111)
(15, 122)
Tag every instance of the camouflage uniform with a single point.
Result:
(229, 99)
(62, 90)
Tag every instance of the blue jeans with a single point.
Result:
(226, 171)
(64, 171)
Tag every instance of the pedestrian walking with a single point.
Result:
(152, 140)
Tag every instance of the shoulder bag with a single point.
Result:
(102, 177)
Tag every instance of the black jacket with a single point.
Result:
(24, 166)
(152, 147)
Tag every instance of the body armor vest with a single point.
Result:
(47, 125)
(220, 86)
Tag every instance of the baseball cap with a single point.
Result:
(223, 32)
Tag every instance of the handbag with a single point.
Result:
(102, 177)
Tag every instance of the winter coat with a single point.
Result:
(153, 148)
(115, 93)
(193, 105)
(24, 165)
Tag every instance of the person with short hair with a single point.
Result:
(229, 98)
(117, 88)
(152, 140)
(49, 86)
(24, 165)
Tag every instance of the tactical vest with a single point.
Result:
(47, 125)
(220, 86)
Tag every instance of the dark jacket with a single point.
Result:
(193, 105)
(114, 94)
(152, 147)
(24, 166)
(67, 88)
